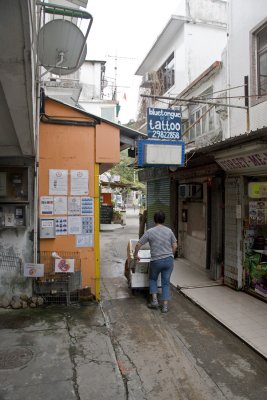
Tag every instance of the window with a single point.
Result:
(262, 61)
(203, 121)
(198, 123)
(258, 66)
(107, 113)
(192, 133)
(166, 74)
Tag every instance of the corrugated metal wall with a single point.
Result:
(158, 198)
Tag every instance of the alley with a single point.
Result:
(121, 350)
(182, 355)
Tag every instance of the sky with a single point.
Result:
(126, 29)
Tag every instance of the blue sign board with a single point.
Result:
(160, 153)
(163, 124)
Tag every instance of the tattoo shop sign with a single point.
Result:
(163, 123)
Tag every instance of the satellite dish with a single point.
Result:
(60, 43)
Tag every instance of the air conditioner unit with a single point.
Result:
(191, 191)
(184, 191)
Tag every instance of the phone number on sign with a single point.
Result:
(165, 135)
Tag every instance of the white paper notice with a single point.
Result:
(74, 205)
(58, 181)
(87, 206)
(61, 226)
(79, 180)
(74, 225)
(84, 240)
(87, 225)
(46, 205)
(60, 205)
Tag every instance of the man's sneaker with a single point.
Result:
(164, 308)
(153, 304)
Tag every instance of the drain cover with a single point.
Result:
(16, 358)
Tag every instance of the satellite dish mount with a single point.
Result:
(61, 44)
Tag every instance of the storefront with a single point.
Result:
(200, 215)
(255, 235)
(160, 194)
(246, 218)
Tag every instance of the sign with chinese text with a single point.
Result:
(244, 163)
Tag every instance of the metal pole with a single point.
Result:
(192, 101)
(247, 101)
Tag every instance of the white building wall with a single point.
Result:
(181, 7)
(91, 96)
(100, 109)
(90, 79)
(212, 10)
(204, 45)
(243, 17)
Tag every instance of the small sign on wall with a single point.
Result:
(64, 265)
(47, 228)
(32, 270)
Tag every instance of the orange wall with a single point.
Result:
(107, 144)
(67, 147)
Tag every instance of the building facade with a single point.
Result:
(221, 222)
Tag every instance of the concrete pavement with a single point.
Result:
(57, 353)
(121, 350)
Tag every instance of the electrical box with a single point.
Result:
(47, 228)
(12, 216)
(14, 199)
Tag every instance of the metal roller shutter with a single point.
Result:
(158, 198)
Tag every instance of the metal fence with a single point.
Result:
(59, 287)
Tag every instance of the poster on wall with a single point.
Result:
(74, 225)
(257, 212)
(64, 265)
(74, 205)
(87, 206)
(46, 205)
(79, 180)
(58, 181)
(84, 240)
(61, 226)
(60, 205)
(32, 270)
(87, 225)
